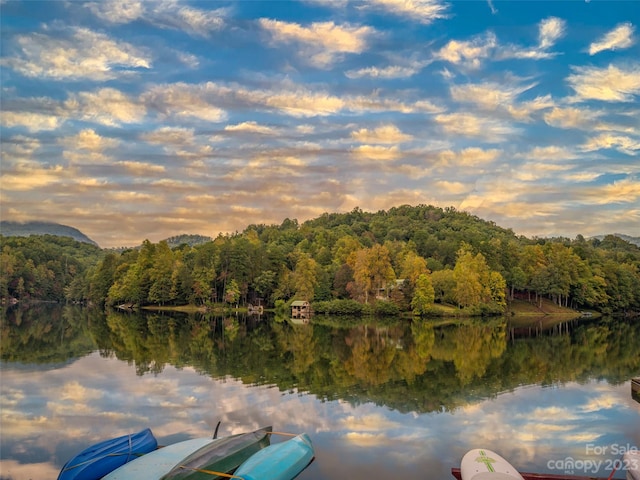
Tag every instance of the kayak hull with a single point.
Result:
(191, 458)
(102, 458)
(224, 455)
(281, 461)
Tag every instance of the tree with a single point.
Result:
(232, 292)
(423, 296)
(372, 271)
(161, 275)
(444, 285)
(305, 277)
(468, 274)
(476, 285)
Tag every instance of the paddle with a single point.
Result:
(227, 475)
(283, 433)
(211, 472)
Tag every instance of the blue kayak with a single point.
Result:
(280, 461)
(95, 462)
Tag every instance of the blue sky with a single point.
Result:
(133, 120)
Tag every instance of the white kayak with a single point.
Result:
(483, 464)
(155, 464)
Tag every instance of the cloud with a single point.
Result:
(84, 55)
(19, 148)
(468, 157)
(488, 95)
(389, 72)
(551, 152)
(33, 122)
(619, 37)
(170, 14)
(491, 96)
(141, 168)
(610, 84)
(626, 190)
(550, 31)
(182, 100)
(250, 127)
(621, 143)
(117, 11)
(376, 152)
(571, 117)
(455, 188)
(31, 176)
(374, 422)
(174, 136)
(322, 43)
(470, 125)
(422, 11)
(382, 134)
(106, 106)
(468, 53)
(89, 140)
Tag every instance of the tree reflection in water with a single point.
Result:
(419, 365)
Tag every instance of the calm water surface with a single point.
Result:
(380, 399)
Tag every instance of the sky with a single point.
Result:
(136, 120)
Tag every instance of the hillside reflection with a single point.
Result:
(407, 366)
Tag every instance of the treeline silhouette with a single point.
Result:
(405, 259)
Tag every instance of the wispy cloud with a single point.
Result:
(117, 11)
(550, 30)
(321, 43)
(618, 38)
(106, 106)
(471, 125)
(423, 11)
(389, 72)
(469, 53)
(173, 15)
(382, 134)
(77, 53)
(621, 143)
(609, 84)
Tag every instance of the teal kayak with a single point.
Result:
(280, 461)
(189, 459)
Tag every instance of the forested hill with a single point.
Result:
(408, 258)
(18, 229)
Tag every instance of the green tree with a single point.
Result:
(161, 275)
(232, 292)
(305, 277)
(468, 274)
(444, 285)
(423, 296)
(372, 271)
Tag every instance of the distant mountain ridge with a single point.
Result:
(20, 229)
(24, 229)
(187, 239)
(626, 238)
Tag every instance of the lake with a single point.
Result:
(380, 398)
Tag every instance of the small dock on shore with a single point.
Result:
(635, 389)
